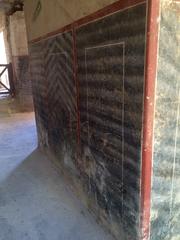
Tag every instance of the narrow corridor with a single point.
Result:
(35, 203)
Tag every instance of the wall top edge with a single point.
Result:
(108, 10)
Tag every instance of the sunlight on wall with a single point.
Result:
(3, 60)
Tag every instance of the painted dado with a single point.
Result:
(101, 85)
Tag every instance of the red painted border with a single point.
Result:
(148, 121)
(76, 83)
(114, 7)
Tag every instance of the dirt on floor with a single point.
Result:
(35, 201)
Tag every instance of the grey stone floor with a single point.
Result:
(35, 203)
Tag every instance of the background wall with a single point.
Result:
(57, 15)
(1, 19)
(20, 59)
(18, 35)
(15, 39)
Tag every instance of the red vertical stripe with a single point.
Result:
(76, 83)
(148, 121)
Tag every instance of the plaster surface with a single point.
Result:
(110, 69)
(58, 13)
(35, 203)
(165, 213)
(18, 35)
(110, 53)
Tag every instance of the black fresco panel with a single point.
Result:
(111, 55)
(62, 119)
(39, 88)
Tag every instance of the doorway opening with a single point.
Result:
(5, 86)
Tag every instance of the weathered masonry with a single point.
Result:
(106, 94)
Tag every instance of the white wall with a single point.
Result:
(56, 14)
(18, 35)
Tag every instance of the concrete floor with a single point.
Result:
(35, 203)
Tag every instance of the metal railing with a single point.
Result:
(8, 89)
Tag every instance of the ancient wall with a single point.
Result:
(88, 87)
(43, 17)
(20, 60)
(165, 214)
(94, 102)
(15, 39)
